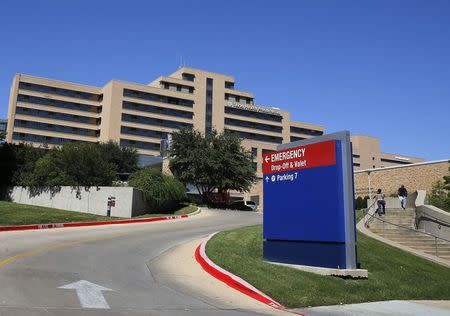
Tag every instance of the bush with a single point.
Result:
(162, 193)
(361, 203)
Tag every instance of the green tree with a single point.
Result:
(216, 161)
(439, 196)
(73, 165)
(162, 192)
(124, 158)
(447, 181)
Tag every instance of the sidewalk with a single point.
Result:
(178, 269)
(391, 308)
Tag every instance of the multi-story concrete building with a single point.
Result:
(367, 154)
(44, 111)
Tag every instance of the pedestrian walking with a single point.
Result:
(381, 203)
(402, 195)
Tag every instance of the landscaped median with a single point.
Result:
(13, 215)
(393, 274)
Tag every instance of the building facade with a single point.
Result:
(50, 112)
(367, 154)
(3, 125)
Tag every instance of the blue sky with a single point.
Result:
(380, 68)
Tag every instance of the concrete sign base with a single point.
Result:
(352, 273)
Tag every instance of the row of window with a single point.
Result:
(238, 98)
(60, 91)
(253, 114)
(58, 103)
(143, 132)
(58, 116)
(156, 109)
(25, 137)
(139, 144)
(154, 121)
(259, 137)
(400, 162)
(56, 128)
(295, 138)
(176, 87)
(157, 97)
(307, 131)
(264, 127)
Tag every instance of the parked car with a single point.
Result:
(243, 205)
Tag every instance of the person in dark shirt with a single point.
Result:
(402, 194)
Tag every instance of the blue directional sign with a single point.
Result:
(309, 216)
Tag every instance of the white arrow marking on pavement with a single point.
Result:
(89, 294)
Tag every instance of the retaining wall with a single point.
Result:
(129, 201)
(414, 177)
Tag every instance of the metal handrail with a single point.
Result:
(366, 222)
(407, 228)
(436, 220)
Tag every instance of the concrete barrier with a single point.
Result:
(433, 221)
(93, 200)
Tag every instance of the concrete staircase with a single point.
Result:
(412, 237)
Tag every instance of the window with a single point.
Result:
(295, 138)
(140, 144)
(157, 97)
(187, 76)
(400, 162)
(25, 137)
(154, 122)
(253, 114)
(54, 128)
(254, 152)
(229, 85)
(356, 164)
(356, 156)
(307, 131)
(156, 109)
(248, 124)
(60, 91)
(57, 116)
(143, 132)
(259, 137)
(58, 104)
(238, 98)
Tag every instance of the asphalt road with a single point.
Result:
(40, 270)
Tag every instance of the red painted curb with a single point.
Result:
(80, 224)
(234, 281)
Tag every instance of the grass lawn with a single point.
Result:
(393, 274)
(21, 214)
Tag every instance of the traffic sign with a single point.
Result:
(309, 214)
